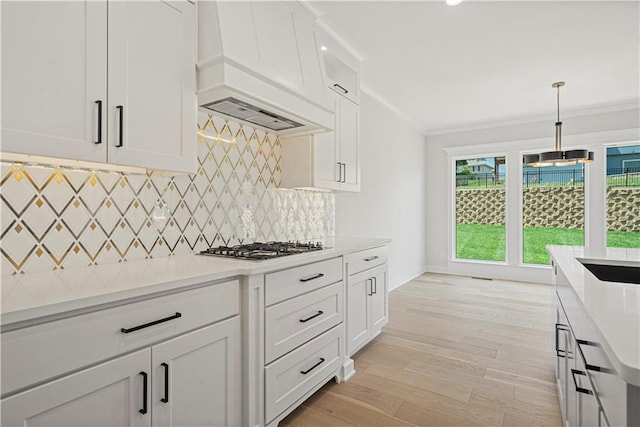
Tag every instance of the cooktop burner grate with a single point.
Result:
(261, 251)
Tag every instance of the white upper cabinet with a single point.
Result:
(54, 78)
(265, 54)
(329, 160)
(152, 106)
(101, 82)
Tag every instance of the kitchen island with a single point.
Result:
(597, 341)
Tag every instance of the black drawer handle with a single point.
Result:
(560, 327)
(575, 372)
(165, 399)
(317, 276)
(372, 258)
(319, 313)
(593, 367)
(340, 87)
(145, 390)
(146, 325)
(313, 367)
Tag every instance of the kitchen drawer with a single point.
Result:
(296, 321)
(363, 260)
(285, 380)
(609, 387)
(36, 353)
(292, 282)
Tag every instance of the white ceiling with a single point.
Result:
(446, 68)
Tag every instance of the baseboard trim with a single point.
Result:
(406, 278)
(530, 274)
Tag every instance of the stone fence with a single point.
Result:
(553, 206)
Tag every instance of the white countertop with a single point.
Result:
(613, 307)
(31, 296)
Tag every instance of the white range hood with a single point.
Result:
(260, 62)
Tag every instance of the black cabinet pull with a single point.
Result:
(99, 139)
(145, 390)
(339, 172)
(372, 258)
(560, 327)
(319, 313)
(344, 175)
(590, 367)
(575, 372)
(313, 367)
(340, 87)
(121, 129)
(317, 276)
(370, 289)
(374, 280)
(165, 399)
(146, 325)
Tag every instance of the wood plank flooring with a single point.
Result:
(457, 352)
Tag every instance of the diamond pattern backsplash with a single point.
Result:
(54, 217)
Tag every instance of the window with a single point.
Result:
(480, 209)
(623, 196)
(552, 210)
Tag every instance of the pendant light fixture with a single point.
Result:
(558, 157)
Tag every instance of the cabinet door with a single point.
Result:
(326, 156)
(197, 377)
(588, 410)
(359, 288)
(378, 301)
(110, 394)
(325, 161)
(349, 141)
(152, 99)
(54, 69)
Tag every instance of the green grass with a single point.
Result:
(480, 241)
(487, 242)
(535, 240)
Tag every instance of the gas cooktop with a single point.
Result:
(262, 251)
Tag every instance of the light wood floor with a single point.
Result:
(456, 351)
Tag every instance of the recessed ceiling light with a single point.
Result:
(453, 2)
(323, 48)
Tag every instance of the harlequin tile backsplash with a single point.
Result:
(54, 217)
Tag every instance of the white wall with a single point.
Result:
(593, 131)
(391, 203)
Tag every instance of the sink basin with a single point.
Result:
(613, 272)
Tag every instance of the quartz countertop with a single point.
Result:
(32, 296)
(614, 308)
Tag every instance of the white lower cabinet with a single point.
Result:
(303, 334)
(109, 394)
(182, 379)
(196, 378)
(367, 297)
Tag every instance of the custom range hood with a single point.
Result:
(260, 62)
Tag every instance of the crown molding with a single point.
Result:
(401, 115)
(576, 112)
